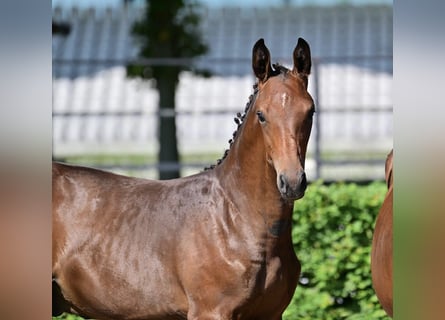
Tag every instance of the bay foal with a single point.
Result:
(215, 245)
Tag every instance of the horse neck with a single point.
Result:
(247, 177)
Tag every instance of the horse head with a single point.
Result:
(284, 111)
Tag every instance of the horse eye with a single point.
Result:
(261, 117)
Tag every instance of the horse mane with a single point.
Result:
(239, 119)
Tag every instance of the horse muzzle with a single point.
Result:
(292, 187)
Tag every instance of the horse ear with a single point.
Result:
(302, 58)
(261, 61)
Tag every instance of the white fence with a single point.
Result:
(98, 110)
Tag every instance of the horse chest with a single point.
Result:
(272, 287)
(280, 272)
(274, 272)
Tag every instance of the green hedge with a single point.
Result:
(332, 234)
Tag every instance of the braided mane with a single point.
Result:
(239, 119)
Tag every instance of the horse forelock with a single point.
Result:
(279, 70)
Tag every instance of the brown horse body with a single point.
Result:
(381, 254)
(215, 245)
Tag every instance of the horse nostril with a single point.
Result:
(283, 183)
(294, 188)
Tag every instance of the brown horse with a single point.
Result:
(381, 254)
(215, 245)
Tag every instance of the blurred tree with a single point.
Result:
(168, 29)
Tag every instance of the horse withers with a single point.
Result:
(215, 245)
(381, 254)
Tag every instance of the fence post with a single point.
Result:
(317, 154)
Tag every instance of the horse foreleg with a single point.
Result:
(210, 314)
(210, 317)
(220, 316)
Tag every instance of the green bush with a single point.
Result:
(332, 234)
